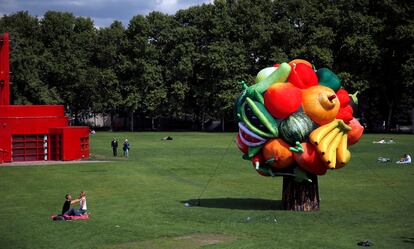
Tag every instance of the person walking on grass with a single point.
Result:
(114, 145)
(126, 148)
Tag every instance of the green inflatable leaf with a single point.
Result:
(328, 78)
(253, 151)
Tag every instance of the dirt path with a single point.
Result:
(36, 163)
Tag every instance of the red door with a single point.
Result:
(56, 147)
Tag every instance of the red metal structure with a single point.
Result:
(35, 132)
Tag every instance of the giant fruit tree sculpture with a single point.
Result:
(296, 122)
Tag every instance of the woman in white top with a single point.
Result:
(82, 203)
(405, 159)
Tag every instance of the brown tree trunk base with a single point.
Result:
(300, 196)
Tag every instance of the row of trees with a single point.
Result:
(188, 64)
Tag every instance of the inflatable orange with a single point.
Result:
(278, 150)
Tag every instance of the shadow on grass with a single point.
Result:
(408, 239)
(236, 203)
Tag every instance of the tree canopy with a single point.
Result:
(189, 64)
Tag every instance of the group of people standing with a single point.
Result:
(125, 147)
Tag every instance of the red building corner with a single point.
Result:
(35, 132)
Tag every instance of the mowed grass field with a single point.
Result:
(140, 202)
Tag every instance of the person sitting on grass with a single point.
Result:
(404, 159)
(66, 209)
(82, 203)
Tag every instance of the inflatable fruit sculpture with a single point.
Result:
(327, 78)
(282, 99)
(320, 104)
(296, 121)
(310, 160)
(345, 110)
(302, 75)
(356, 131)
(264, 73)
(277, 153)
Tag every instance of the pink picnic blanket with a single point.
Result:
(69, 217)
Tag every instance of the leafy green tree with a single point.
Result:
(28, 60)
(188, 64)
(69, 42)
(178, 70)
(225, 62)
(371, 53)
(155, 90)
(135, 48)
(110, 61)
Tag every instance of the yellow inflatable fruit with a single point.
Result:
(320, 104)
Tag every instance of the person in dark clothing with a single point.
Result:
(114, 145)
(66, 209)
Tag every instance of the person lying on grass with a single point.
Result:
(383, 159)
(67, 210)
(382, 141)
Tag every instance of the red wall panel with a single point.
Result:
(75, 142)
(14, 111)
(33, 125)
(73, 150)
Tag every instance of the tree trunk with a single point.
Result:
(412, 120)
(75, 121)
(152, 123)
(132, 121)
(300, 196)
(222, 124)
(390, 113)
(112, 121)
(203, 120)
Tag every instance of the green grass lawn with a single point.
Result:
(139, 202)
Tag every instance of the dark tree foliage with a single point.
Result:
(189, 64)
